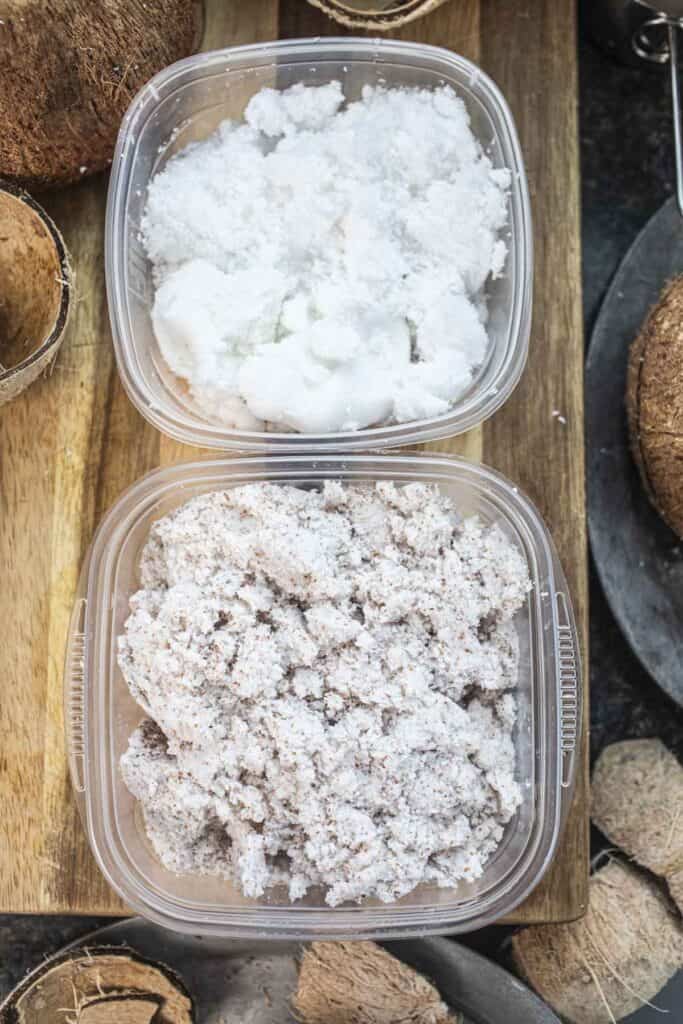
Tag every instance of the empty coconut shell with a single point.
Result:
(637, 802)
(35, 290)
(380, 15)
(68, 71)
(101, 985)
(654, 400)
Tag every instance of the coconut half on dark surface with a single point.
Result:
(654, 400)
(68, 71)
(100, 985)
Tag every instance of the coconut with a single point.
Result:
(35, 291)
(69, 69)
(360, 983)
(637, 802)
(654, 400)
(380, 15)
(120, 1010)
(102, 985)
(607, 964)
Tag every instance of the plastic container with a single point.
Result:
(101, 714)
(185, 103)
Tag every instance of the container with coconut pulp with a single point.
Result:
(103, 714)
(158, 300)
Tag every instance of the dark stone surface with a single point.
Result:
(627, 171)
(626, 162)
(26, 940)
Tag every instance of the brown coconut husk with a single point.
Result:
(36, 286)
(101, 985)
(607, 964)
(654, 401)
(360, 983)
(380, 15)
(637, 802)
(68, 71)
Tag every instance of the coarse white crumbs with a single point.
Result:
(327, 676)
(322, 267)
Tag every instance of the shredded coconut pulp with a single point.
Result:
(328, 676)
(322, 267)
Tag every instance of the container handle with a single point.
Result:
(570, 710)
(74, 695)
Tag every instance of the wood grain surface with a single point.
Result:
(73, 442)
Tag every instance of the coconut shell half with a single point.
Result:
(68, 71)
(133, 1009)
(607, 964)
(381, 15)
(637, 802)
(36, 290)
(654, 400)
(100, 985)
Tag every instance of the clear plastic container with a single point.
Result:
(186, 102)
(101, 714)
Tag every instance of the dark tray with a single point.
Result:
(638, 558)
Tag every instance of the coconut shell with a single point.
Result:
(375, 14)
(120, 1010)
(68, 71)
(620, 955)
(654, 401)
(36, 286)
(100, 985)
(360, 983)
(637, 802)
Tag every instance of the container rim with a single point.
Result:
(280, 922)
(473, 408)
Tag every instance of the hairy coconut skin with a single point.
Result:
(637, 802)
(360, 983)
(623, 952)
(654, 401)
(68, 71)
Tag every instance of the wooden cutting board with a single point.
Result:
(73, 442)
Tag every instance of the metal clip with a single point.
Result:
(657, 40)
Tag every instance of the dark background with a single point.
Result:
(627, 173)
